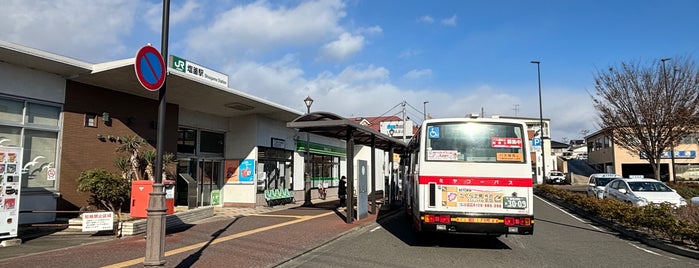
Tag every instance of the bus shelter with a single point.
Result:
(334, 126)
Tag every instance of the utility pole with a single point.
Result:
(672, 149)
(404, 123)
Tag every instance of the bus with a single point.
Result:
(470, 175)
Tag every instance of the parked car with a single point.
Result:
(691, 174)
(555, 177)
(642, 191)
(597, 182)
(567, 155)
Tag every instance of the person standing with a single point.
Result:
(342, 191)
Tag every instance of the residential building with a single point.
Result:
(607, 157)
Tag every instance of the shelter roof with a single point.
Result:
(334, 126)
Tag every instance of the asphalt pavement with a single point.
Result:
(233, 237)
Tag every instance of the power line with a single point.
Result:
(372, 121)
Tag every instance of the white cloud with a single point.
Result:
(189, 11)
(449, 21)
(260, 26)
(426, 19)
(415, 74)
(343, 48)
(93, 29)
(371, 30)
(409, 53)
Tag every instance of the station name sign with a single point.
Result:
(197, 71)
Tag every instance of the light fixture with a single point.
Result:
(105, 117)
(308, 101)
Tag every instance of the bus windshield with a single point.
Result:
(475, 142)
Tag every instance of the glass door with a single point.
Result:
(210, 179)
(208, 174)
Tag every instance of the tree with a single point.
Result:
(108, 191)
(132, 146)
(139, 164)
(647, 109)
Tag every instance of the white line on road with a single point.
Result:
(571, 215)
(375, 228)
(646, 250)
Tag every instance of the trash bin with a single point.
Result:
(140, 196)
(169, 189)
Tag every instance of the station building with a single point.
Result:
(70, 116)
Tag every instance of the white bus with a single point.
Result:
(470, 175)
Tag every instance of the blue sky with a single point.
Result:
(363, 57)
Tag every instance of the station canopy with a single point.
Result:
(334, 126)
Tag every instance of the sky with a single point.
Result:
(365, 57)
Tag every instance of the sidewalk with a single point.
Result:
(235, 233)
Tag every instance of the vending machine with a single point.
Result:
(10, 174)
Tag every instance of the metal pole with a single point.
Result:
(541, 122)
(156, 223)
(309, 169)
(424, 110)
(672, 149)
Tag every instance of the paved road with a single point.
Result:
(256, 240)
(321, 238)
(559, 240)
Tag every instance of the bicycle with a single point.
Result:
(321, 191)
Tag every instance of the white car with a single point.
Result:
(555, 177)
(641, 192)
(597, 182)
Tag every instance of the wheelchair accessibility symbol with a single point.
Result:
(433, 132)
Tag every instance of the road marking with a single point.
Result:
(275, 215)
(571, 215)
(375, 228)
(222, 239)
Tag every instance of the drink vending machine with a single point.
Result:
(10, 174)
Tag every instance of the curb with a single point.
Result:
(638, 236)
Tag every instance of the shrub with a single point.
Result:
(108, 191)
(678, 225)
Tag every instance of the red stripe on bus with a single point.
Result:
(477, 181)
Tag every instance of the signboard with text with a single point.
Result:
(197, 71)
(97, 221)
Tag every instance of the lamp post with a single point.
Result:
(307, 177)
(672, 149)
(541, 121)
(424, 110)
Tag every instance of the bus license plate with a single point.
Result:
(515, 202)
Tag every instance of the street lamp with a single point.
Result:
(672, 149)
(307, 177)
(424, 110)
(541, 121)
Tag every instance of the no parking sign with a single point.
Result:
(150, 68)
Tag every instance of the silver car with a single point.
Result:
(641, 192)
(597, 182)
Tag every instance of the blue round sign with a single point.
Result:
(150, 68)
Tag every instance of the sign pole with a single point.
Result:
(156, 224)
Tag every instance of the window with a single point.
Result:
(211, 142)
(11, 110)
(40, 114)
(90, 120)
(475, 142)
(207, 142)
(34, 126)
(186, 140)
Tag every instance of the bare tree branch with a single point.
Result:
(648, 109)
